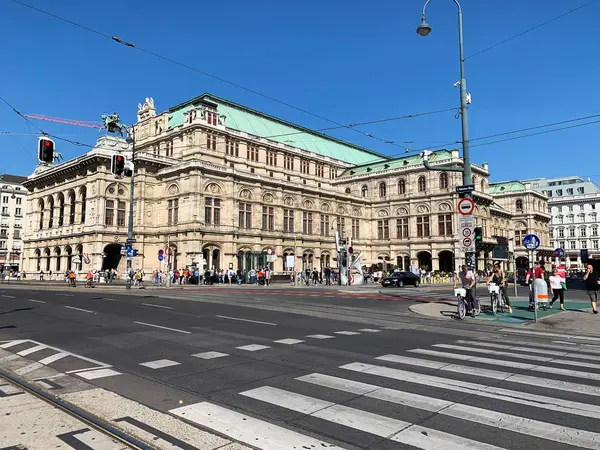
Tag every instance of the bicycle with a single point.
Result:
(496, 298)
(463, 305)
(89, 283)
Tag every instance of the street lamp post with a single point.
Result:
(423, 30)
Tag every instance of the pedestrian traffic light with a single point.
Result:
(478, 234)
(45, 149)
(117, 166)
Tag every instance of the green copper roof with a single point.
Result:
(398, 163)
(506, 186)
(256, 123)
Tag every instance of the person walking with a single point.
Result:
(557, 289)
(592, 285)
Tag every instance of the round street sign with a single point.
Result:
(531, 242)
(466, 206)
(160, 252)
(467, 232)
(559, 253)
(160, 257)
(467, 242)
(350, 250)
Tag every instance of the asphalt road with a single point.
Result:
(352, 370)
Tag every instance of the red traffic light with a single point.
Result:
(119, 158)
(47, 143)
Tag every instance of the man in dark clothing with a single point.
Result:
(327, 276)
(592, 285)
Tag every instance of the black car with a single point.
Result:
(400, 279)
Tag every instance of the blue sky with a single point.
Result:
(350, 61)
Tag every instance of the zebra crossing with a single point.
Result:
(444, 396)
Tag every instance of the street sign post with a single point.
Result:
(531, 242)
(467, 189)
(466, 206)
(466, 227)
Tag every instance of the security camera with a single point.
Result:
(456, 84)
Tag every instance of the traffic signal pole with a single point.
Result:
(131, 139)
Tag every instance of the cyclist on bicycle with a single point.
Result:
(499, 279)
(467, 279)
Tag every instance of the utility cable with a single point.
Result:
(202, 72)
(531, 29)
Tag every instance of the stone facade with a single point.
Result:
(13, 207)
(212, 191)
(574, 204)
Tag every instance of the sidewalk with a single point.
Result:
(552, 318)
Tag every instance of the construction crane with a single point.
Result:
(79, 123)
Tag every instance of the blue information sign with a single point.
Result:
(559, 253)
(531, 242)
(160, 257)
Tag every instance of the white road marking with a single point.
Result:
(346, 333)
(429, 439)
(494, 374)
(320, 336)
(369, 330)
(342, 415)
(210, 355)
(9, 389)
(65, 295)
(555, 335)
(80, 309)
(564, 342)
(571, 352)
(449, 384)
(516, 365)
(95, 440)
(488, 351)
(7, 296)
(253, 347)
(50, 359)
(163, 328)
(160, 363)
(494, 419)
(98, 373)
(14, 343)
(246, 429)
(110, 299)
(247, 320)
(35, 301)
(580, 347)
(156, 306)
(289, 341)
(30, 350)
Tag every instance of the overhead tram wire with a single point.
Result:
(202, 72)
(407, 151)
(441, 146)
(577, 8)
(370, 122)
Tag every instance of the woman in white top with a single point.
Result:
(556, 288)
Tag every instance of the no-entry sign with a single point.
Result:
(466, 206)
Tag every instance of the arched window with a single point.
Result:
(61, 210)
(347, 190)
(402, 186)
(474, 180)
(72, 208)
(83, 200)
(422, 184)
(41, 206)
(364, 191)
(519, 205)
(482, 185)
(51, 211)
(382, 189)
(443, 180)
